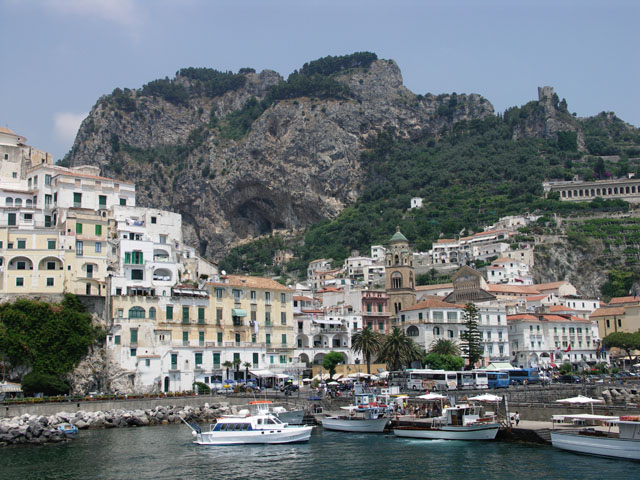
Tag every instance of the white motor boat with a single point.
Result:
(259, 427)
(625, 444)
(366, 415)
(461, 422)
(292, 417)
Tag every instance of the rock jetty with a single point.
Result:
(40, 429)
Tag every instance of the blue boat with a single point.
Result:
(68, 429)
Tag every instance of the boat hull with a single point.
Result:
(601, 446)
(473, 432)
(355, 425)
(283, 435)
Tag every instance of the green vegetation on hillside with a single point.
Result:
(47, 339)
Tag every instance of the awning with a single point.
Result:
(327, 321)
(262, 373)
(238, 312)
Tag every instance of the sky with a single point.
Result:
(59, 56)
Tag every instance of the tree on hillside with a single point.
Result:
(471, 341)
(46, 339)
(444, 346)
(399, 350)
(331, 360)
(368, 343)
(623, 340)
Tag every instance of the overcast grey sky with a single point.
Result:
(59, 56)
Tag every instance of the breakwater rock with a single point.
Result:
(40, 429)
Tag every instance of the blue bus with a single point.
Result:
(498, 379)
(523, 376)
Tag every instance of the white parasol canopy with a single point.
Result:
(580, 400)
(333, 383)
(486, 397)
(431, 396)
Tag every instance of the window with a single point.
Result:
(147, 362)
(134, 334)
(216, 360)
(19, 282)
(185, 314)
(169, 312)
(174, 361)
(98, 247)
(436, 331)
(237, 337)
(79, 248)
(163, 239)
(98, 230)
(77, 200)
(185, 338)
(51, 265)
(268, 339)
(284, 339)
(22, 244)
(152, 312)
(154, 220)
(10, 245)
(116, 339)
(133, 352)
(267, 319)
(102, 201)
(283, 359)
(219, 292)
(438, 316)
(47, 179)
(218, 316)
(283, 318)
(200, 314)
(219, 337)
(452, 316)
(137, 274)
(237, 294)
(252, 294)
(381, 326)
(11, 219)
(267, 298)
(198, 359)
(136, 312)
(120, 313)
(123, 202)
(283, 297)
(51, 244)
(49, 281)
(450, 333)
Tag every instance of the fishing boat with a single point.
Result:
(460, 422)
(255, 426)
(68, 429)
(624, 444)
(368, 414)
(292, 417)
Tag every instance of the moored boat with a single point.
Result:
(292, 417)
(246, 427)
(367, 415)
(460, 422)
(624, 444)
(68, 429)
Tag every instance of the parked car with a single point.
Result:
(569, 379)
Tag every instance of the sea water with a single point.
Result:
(167, 452)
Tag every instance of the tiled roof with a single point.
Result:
(607, 311)
(437, 286)
(296, 297)
(549, 286)
(431, 303)
(503, 288)
(560, 308)
(251, 282)
(526, 317)
(446, 240)
(619, 300)
(535, 298)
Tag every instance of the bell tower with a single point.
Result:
(399, 272)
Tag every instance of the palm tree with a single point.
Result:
(368, 343)
(444, 346)
(398, 350)
(246, 366)
(227, 365)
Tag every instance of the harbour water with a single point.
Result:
(166, 452)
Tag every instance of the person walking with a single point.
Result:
(517, 418)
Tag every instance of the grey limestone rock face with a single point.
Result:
(299, 162)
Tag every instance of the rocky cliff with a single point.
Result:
(297, 162)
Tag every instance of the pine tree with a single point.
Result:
(471, 340)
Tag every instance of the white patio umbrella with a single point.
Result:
(333, 383)
(431, 396)
(580, 400)
(486, 397)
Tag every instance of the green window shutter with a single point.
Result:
(198, 359)
(284, 338)
(127, 258)
(169, 312)
(174, 361)
(78, 228)
(51, 244)
(98, 229)
(219, 337)
(116, 339)
(185, 314)
(201, 314)
(216, 360)
(268, 338)
(134, 335)
(102, 201)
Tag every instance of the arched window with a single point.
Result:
(152, 312)
(410, 279)
(18, 202)
(9, 201)
(29, 203)
(451, 334)
(397, 259)
(436, 331)
(412, 331)
(396, 280)
(136, 312)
